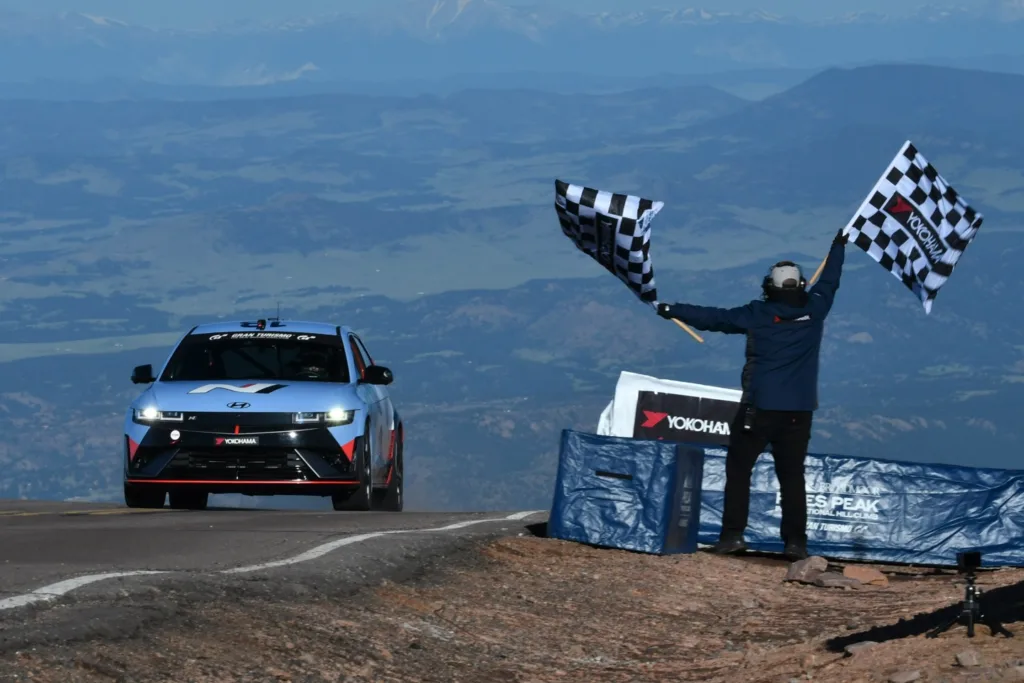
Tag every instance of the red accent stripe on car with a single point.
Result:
(236, 429)
(132, 448)
(274, 482)
(390, 461)
(349, 449)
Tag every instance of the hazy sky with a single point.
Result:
(181, 13)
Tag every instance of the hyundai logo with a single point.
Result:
(238, 405)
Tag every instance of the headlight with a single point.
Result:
(340, 417)
(334, 417)
(151, 414)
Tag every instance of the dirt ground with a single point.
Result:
(529, 609)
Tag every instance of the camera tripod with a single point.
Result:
(971, 613)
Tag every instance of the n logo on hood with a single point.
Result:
(243, 389)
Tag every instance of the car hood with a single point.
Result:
(262, 396)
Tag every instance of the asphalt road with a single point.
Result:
(72, 572)
(42, 543)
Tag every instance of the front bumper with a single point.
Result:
(252, 453)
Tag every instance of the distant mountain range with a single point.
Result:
(440, 18)
(745, 83)
(435, 39)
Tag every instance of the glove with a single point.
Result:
(840, 238)
(663, 311)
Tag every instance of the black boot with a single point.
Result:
(730, 545)
(795, 551)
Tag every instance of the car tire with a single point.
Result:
(392, 499)
(189, 500)
(143, 496)
(359, 498)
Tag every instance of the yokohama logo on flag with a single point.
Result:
(914, 224)
(242, 389)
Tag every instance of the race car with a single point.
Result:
(264, 408)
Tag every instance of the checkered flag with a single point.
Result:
(915, 224)
(613, 229)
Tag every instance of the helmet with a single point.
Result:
(785, 276)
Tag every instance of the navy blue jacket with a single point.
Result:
(784, 340)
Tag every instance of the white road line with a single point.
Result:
(55, 590)
(316, 552)
(523, 515)
(322, 550)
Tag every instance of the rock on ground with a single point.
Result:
(856, 648)
(807, 570)
(831, 580)
(866, 575)
(968, 658)
(905, 677)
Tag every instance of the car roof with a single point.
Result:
(300, 326)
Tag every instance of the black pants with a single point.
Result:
(788, 433)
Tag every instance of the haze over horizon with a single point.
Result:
(201, 13)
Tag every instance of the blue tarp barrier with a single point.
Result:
(627, 493)
(882, 510)
(857, 508)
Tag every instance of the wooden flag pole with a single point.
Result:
(817, 273)
(687, 328)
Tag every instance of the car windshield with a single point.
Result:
(258, 355)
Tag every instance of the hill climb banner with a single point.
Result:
(881, 510)
(857, 508)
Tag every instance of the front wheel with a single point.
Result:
(392, 499)
(359, 498)
(143, 496)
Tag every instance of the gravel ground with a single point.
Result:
(526, 609)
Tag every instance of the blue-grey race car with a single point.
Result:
(265, 408)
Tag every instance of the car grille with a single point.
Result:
(226, 423)
(250, 464)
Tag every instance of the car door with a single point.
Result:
(371, 395)
(385, 412)
(388, 425)
(382, 390)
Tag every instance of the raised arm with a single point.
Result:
(727, 320)
(823, 293)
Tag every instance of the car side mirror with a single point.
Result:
(378, 374)
(143, 374)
